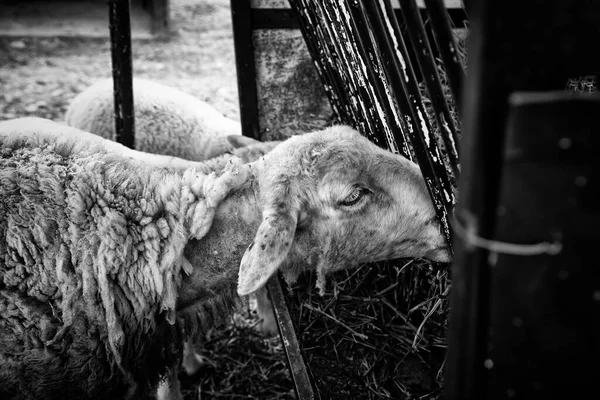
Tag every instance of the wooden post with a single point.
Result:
(120, 40)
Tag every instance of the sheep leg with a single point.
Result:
(170, 388)
(192, 361)
(268, 325)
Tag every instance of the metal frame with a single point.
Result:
(403, 90)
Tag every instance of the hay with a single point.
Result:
(240, 364)
(378, 331)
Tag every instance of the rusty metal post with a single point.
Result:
(241, 17)
(426, 63)
(432, 163)
(120, 40)
(444, 38)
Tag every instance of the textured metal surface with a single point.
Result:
(446, 45)
(426, 63)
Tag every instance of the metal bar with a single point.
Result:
(384, 104)
(241, 17)
(372, 104)
(428, 67)
(302, 383)
(483, 121)
(332, 35)
(444, 38)
(430, 161)
(356, 86)
(284, 18)
(120, 40)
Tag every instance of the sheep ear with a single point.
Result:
(238, 141)
(267, 251)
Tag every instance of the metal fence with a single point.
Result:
(371, 59)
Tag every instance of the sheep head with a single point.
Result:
(332, 200)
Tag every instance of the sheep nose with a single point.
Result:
(439, 248)
(441, 254)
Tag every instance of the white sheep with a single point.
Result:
(171, 122)
(107, 263)
(168, 121)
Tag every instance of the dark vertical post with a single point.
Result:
(440, 189)
(159, 10)
(302, 383)
(425, 61)
(120, 40)
(484, 121)
(444, 38)
(241, 17)
(545, 303)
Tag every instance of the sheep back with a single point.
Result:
(91, 257)
(167, 121)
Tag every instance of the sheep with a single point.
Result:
(167, 120)
(170, 122)
(108, 263)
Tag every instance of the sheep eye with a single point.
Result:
(354, 197)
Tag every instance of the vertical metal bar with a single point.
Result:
(428, 67)
(241, 17)
(360, 89)
(348, 72)
(384, 105)
(483, 121)
(120, 39)
(302, 383)
(393, 68)
(440, 189)
(446, 44)
(384, 102)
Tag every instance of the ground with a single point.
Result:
(379, 332)
(40, 76)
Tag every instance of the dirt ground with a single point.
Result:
(40, 76)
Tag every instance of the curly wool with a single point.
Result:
(91, 248)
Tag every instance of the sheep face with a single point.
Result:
(332, 200)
